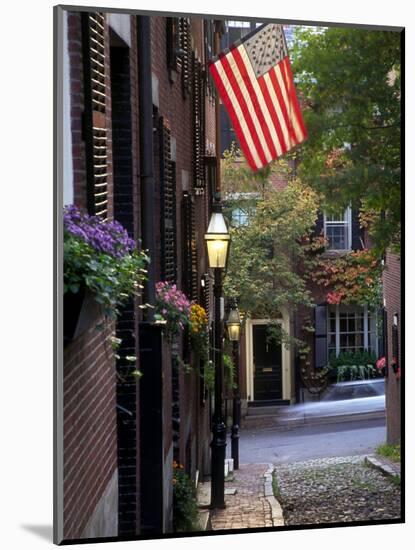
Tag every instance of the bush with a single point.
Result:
(185, 512)
(360, 365)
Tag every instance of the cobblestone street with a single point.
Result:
(340, 489)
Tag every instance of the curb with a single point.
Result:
(276, 510)
(203, 500)
(382, 467)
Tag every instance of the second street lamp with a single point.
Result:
(234, 331)
(217, 241)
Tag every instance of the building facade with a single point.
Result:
(393, 327)
(139, 148)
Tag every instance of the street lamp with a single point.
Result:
(234, 331)
(217, 242)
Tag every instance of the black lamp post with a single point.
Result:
(217, 241)
(234, 331)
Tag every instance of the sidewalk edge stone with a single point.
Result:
(276, 510)
(385, 469)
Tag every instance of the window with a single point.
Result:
(240, 216)
(351, 329)
(338, 229)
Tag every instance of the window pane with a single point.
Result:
(339, 216)
(343, 325)
(337, 236)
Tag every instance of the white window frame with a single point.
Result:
(370, 341)
(347, 221)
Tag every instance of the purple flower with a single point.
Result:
(108, 237)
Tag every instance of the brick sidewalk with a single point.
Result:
(252, 505)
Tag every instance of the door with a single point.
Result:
(267, 358)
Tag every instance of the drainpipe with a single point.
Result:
(148, 214)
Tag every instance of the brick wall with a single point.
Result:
(177, 113)
(392, 297)
(89, 396)
(89, 423)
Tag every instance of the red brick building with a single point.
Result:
(138, 147)
(393, 324)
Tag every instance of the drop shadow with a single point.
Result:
(43, 531)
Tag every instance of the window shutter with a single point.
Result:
(189, 248)
(205, 299)
(167, 205)
(357, 232)
(198, 126)
(95, 127)
(185, 59)
(320, 336)
(319, 224)
(172, 41)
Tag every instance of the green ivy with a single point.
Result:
(111, 280)
(185, 512)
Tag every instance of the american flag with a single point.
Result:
(256, 85)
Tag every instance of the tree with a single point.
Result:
(263, 269)
(349, 84)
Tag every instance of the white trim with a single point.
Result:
(347, 220)
(285, 356)
(370, 340)
(366, 342)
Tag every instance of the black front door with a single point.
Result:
(267, 365)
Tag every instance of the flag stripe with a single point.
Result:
(279, 88)
(289, 80)
(278, 117)
(252, 97)
(274, 141)
(247, 109)
(235, 114)
(290, 108)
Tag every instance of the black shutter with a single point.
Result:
(319, 228)
(198, 126)
(395, 342)
(357, 231)
(209, 43)
(320, 336)
(95, 127)
(383, 333)
(167, 205)
(185, 58)
(190, 283)
(172, 42)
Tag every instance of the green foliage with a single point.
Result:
(359, 365)
(209, 375)
(393, 452)
(228, 372)
(353, 358)
(265, 254)
(111, 280)
(349, 81)
(185, 512)
(353, 278)
(355, 372)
